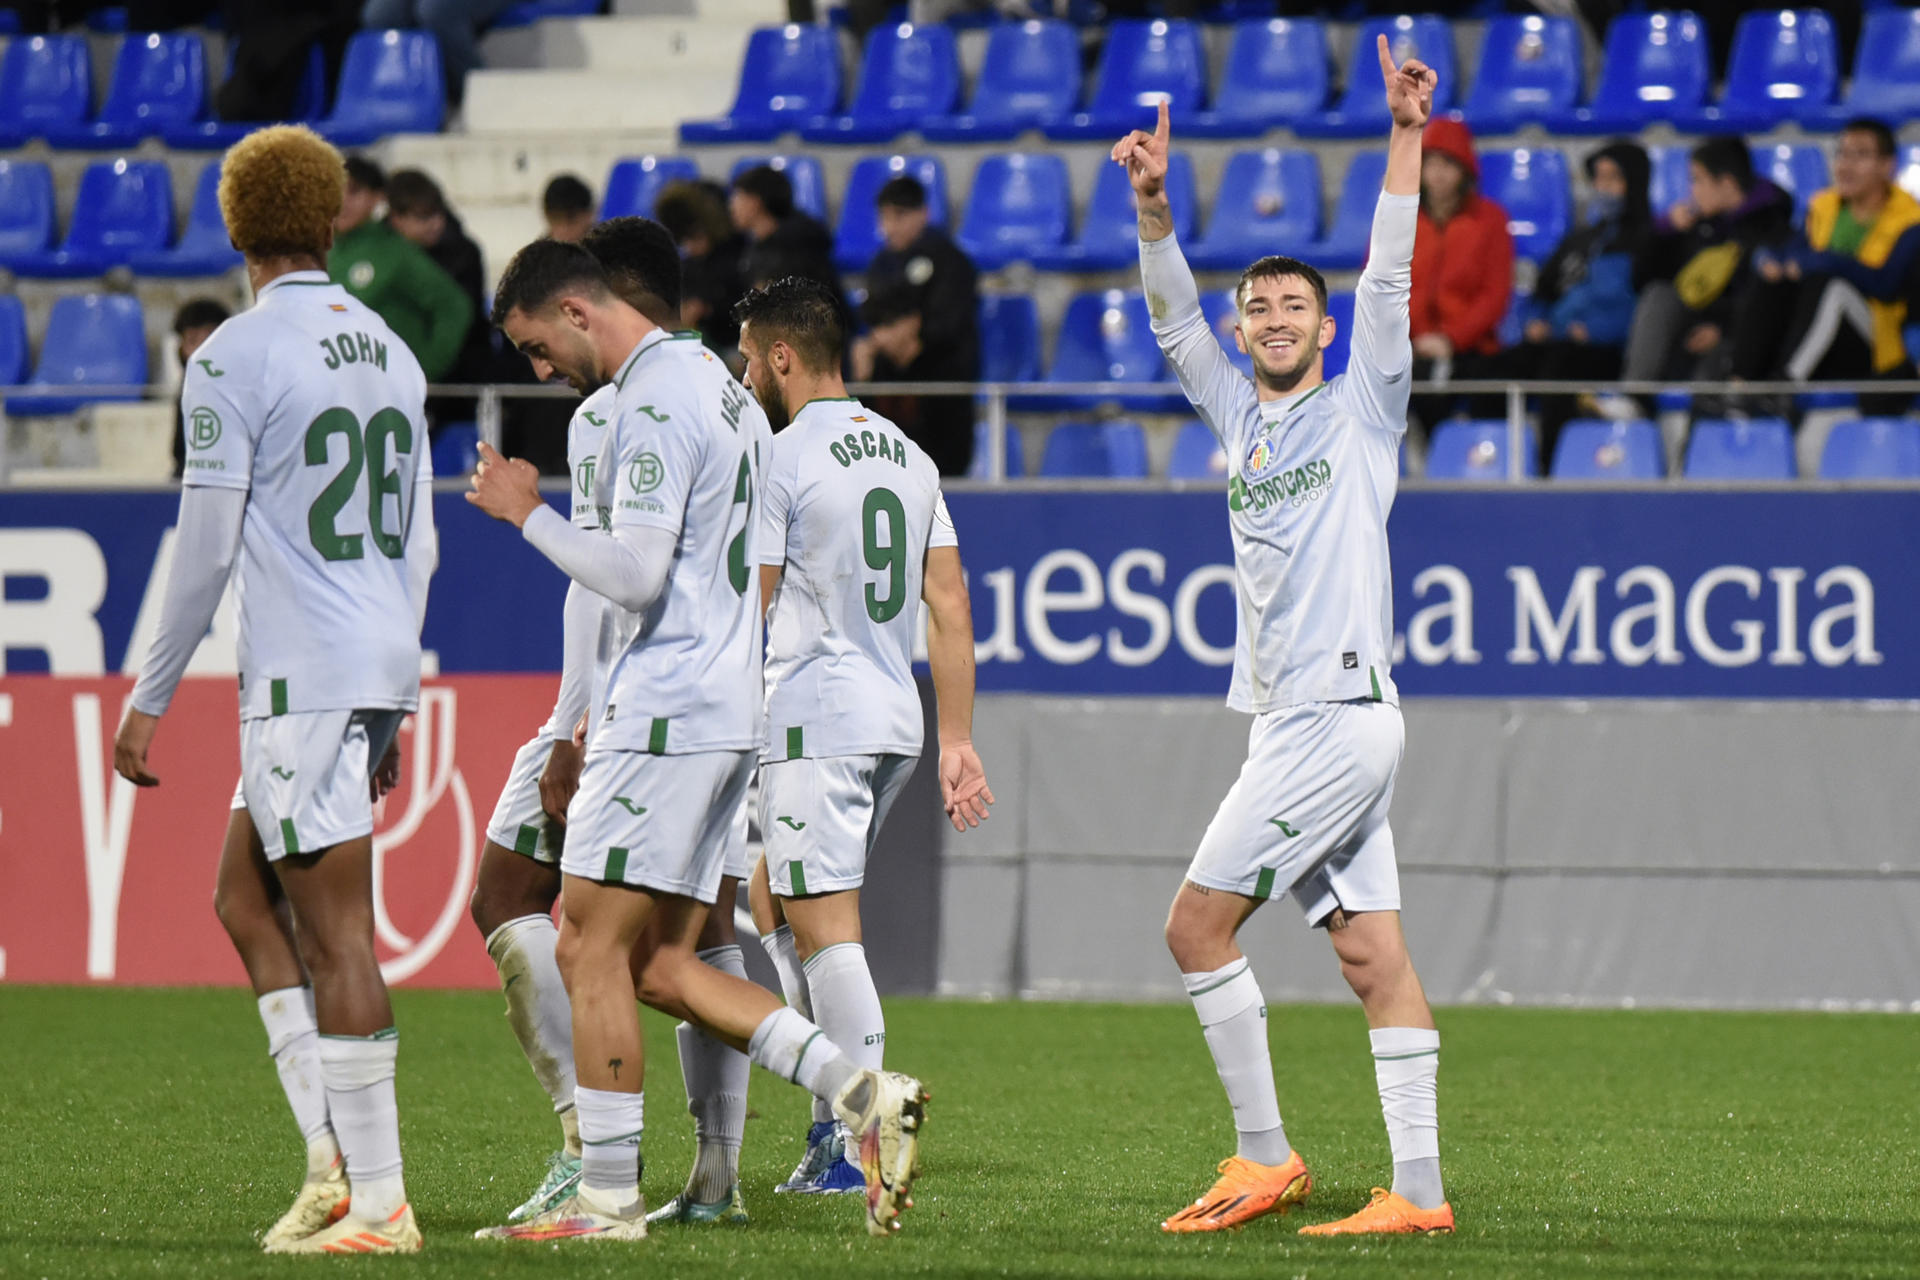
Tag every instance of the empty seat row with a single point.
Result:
(1784, 66)
(97, 341)
(122, 216)
(390, 82)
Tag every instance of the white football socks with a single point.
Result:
(793, 985)
(294, 1041)
(796, 1050)
(1406, 1065)
(610, 1128)
(716, 1079)
(538, 1011)
(846, 1004)
(1233, 1014)
(358, 1071)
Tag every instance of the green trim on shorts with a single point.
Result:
(657, 737)
(616, 863)
(1375, 677)
(527, 841)
(798, 875)
(288, 838)
(1263, 887)
(277, 696)
(796, 742)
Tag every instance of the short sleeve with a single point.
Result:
(218, 419)
(776, 507)
(941, 534)
(657, 455)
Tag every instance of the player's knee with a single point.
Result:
(1183, 935)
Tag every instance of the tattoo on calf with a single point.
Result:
(615, 1064)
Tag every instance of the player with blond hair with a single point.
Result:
(307, 480)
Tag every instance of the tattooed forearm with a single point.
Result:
(1156, 219)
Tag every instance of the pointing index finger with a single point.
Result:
(1163, 127)
(1386, 57)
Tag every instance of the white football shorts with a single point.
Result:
(305, 776)
(518, 822)
(820, 816)
(671, 824)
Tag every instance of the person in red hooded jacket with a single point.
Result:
(1462, 267)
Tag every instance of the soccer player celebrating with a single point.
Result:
(519, 878)
(1313, 466)
(677, 725)
(853, 534)
(307, 476)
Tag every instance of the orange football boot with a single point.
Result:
(1244, 1192)
(1388, 1214)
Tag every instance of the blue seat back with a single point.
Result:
(158, 81)
(1019, 203)
(1031, 73)
(858, 237)
(1359, 193)
(1528, 65)
(96, 340)
(1782, 59)
(1592, 449)
(26, 206)
(1761, 449)
(809, 183)
(1886, 69)
(1009, 338)
(1223, 316)
(1532, 185)
(45, 80)
(124, 207)
(1872, 449)
(1117, 449)
(1477, 450)
(635, 183)
(13, 340)
(1671, 180)
(1277, 69)
(1799, 169)
(1107, 337)
(1269, 197)
(908, 73)
(1340, 307)
(206, 229)
(1423, 36)
(1112, 222)
(1144, 59)
(1655, 64)
(456, 450)
(1016, 452)
(790, 73)
(391, 81)
(1196, 454)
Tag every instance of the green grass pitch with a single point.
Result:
(144, 1135)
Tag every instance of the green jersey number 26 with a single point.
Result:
(386, 434)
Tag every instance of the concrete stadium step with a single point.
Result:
(576, 102)
(632, 46)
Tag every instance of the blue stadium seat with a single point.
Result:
(1107, 337)
(1345, 246)
(1761, 449)
(204, 249)
(391, 82)
(909, 74)
(1016, 453)
(1145, 59)
(1477, 450)
(633, 184)
(790, 75)
(1276, 74)
(1223, 317)
(1334, 361)
(1019, 205)
(46, 82)
(809, 183)
(124, 207)
(1196, 454)
(1872, 449)
(1529, 67)
(1109, 449)
(528, 12)
(26, 210)
(159, 81)
(98, 340)
(1672, 179)
(1593, 449)
(1030, 76)
(1655, 67)
(456, 450)
(13, 340)
(1269, 203)
(1109, 238)
(9, 22)
(310, 103)
(1362, 110)
(1785, 64)
(858, 237)
(1800, 169)
(1533, 187)
(1009, 338)
(1886, 71)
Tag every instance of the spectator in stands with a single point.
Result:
(193, 324)
(418, 210)
(1697, 262)
(456, 26)
(695, 214)
(269, 43)
(1462, 267)
(567, 204)
(781, 240)
(395, 277)
(1833, 303)
(922, 314)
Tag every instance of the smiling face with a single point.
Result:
(555, 340)
(1283, 328)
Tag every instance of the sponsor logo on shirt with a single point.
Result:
(203, 428)
(583, 477)
(644, 473)
(1294, 487)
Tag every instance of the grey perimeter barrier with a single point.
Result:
(1699, 854)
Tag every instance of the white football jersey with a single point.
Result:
(851, 508)
(1311, 479)
(311, 404)
(586, 436)
(683, 452)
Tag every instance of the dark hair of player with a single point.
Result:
(805, 314)
(903, 192)
(642, 263)
(365, 174)
(541, 272)
(1274, 267)
(1882, 136)
(1726, 157)
(565, 195)
(770, 187)
(412, 193)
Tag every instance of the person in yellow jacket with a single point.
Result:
(1831, 305)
